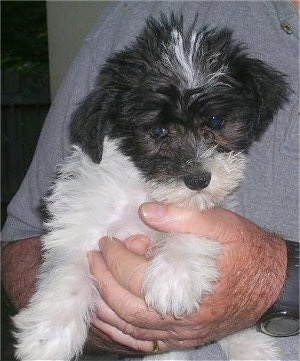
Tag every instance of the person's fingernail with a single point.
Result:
(137, 243)
(153, 211)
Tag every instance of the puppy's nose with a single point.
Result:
(197, 181)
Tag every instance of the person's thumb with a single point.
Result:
(217, 223)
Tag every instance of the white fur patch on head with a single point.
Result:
(182, 54)
(183, 57)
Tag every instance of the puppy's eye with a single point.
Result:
(159, 132)
(215, 122)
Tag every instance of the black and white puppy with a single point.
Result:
(169, 120)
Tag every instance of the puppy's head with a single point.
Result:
(184, 105)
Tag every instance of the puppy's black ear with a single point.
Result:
(266, 88)
(88, 126)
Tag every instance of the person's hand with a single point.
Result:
(252, 269)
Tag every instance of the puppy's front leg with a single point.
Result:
(183, 269)
(54, 325)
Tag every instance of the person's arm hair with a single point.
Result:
(20, 261)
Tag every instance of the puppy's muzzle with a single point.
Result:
(197, 181)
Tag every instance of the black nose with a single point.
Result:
(197, 181)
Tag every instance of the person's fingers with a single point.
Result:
(142, 339)
(217, 223)
(125, 339)
(130, 315)
(126, 266)
(126, 305)
(102, 268)
(105, 314)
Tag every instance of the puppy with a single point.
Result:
(170, 120)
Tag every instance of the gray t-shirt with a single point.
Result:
(269, 194)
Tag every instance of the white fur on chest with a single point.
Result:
(93, 200)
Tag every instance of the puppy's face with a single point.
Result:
(184, 106)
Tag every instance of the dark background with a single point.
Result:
(25, 95)
(25, 100)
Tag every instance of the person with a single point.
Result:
(253, 262)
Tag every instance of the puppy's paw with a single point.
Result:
(175, 286)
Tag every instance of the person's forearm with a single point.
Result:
(20, 262)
